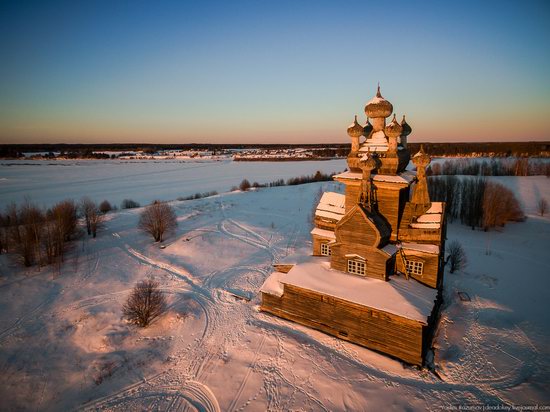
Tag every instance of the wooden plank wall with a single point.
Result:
(389, 204)
(356, 230)
(352, 194)
(375, 263)
(431, 266)
(375, 329)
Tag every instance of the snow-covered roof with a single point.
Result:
(425, 225)
(350, 175)
(429, 218)
(272, 285)
(329, 234)
(404, 177)
(389, 249)
(373, 147)
(419, 247)
(332, 206)
(406, 298)
(333, 199)
(329, 215)
(436, 207)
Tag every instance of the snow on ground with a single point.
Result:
(64, 346)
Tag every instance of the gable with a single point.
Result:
(357, 228)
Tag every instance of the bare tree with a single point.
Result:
(542, 206)
(63, 221)
(96, 220)
(145, 304)
(157, 219)
(4, 224)
(456, 256)
(87, 207)
(499, 206)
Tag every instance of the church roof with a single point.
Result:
(406, 298)
(331, 206)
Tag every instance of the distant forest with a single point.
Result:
(497, 149)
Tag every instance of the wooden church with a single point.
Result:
(376, 271)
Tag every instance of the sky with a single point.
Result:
(271, 71)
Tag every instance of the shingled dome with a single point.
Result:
(355, 129)
(367, 129)
(406, 128)
(394, 129)
(378, 106)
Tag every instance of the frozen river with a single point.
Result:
(46, 182)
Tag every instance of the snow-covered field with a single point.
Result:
(49, 181)
(64, 346)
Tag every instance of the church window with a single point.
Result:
(414, 267)
(357, 267)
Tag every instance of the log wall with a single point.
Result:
(430, 270)
(375, 329)
(375, 260)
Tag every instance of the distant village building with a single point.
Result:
(376, 272)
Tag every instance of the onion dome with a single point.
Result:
(406, 128)
(394, 129)
(367, 129)
(355, 129)
(368, 162)
(378, 106)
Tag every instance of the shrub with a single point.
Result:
(456, 256)
(129, 204)
(245, 185)
(105, 207)
(145, 304)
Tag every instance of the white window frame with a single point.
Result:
(357, 267)
(415, 267)
(325, 249)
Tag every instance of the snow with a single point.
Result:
(273, 285)
(329, 215)
(425, 225)
(64, 346)
(406, 298)
(337, 200)
(436, 207)
(400, 178)
(429, 218)
(420, 247)
(349, 175)
(47, 182)
(331, 206)
(329, 234)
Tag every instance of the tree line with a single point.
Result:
(318, 176)
(37, 235)
(475, 202)
(492, 167)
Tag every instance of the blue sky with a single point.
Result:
(270, 71)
